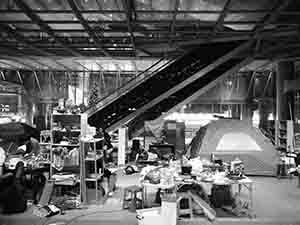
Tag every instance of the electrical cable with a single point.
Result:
(82, 215)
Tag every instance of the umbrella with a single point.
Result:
(15, 131)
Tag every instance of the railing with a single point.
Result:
(134, 82)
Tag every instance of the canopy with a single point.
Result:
(15, 131)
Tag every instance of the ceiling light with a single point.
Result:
(86, 1)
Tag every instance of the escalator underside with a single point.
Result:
(161, 82)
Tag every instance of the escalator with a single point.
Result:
(169, 85)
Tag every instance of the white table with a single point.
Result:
(246, 182)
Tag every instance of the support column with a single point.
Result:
(284, 102)
(123, 145)
(285, 71)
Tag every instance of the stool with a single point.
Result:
(131, 199)
(189, 209)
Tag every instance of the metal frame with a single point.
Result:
(145, 34)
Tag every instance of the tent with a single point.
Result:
(228, 139)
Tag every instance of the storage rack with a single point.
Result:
(89, 156)
(63, 125)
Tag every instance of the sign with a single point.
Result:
(8, 103)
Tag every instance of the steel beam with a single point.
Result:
(19, 76)
(3, 75)
(43, 25)
(21, 39)
(8, 64)
(20, 53)
(86, 26)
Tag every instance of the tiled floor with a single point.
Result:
(275, 202)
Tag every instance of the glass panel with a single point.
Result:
(14, 16)
(72, 34)
(155, 5)
(201, 5)
(33, 34)
(244, 17)
(101, 5)
(27, 26)
(57, 16)
(154, 16)
(196, 16)
(252, 5)
(106, 16)
(115, 34)
(48, 5)
(72, 26)
(241, 27)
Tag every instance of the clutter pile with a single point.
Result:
(203, 187)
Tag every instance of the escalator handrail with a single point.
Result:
(135, 81)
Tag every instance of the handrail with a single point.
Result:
(129, 85)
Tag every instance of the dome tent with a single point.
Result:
(228, 139)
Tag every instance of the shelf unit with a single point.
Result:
(89, 157)
(65, 135)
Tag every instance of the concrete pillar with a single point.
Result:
(284, 103)
(123, 145)
(285, 71)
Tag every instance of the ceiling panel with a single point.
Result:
(244, 17)
(155, 4)
(69, 26)
(57, 16)
(201, 4)
(198, 16)
(154, 16)
(252, 5)
(13, 16)
(106, 16)
(47, 4)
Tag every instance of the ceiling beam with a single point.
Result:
(44, 26)
(8, 64)
(86, 26)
